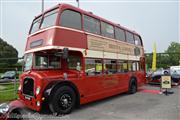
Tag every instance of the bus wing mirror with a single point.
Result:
(65, 53)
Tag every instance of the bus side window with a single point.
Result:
(130, 37)
(122, 66)
(137, 40)
(93, 67)
(133, 66)
(91, 25)
(71, 19)
(107, 30)
(119, 34)
(130, 66)
(98, 67)
(137, 66)
(110, 66)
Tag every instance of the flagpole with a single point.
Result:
(77, 3)
(154, 58)
(42, 10)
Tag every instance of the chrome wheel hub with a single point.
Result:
(65, 101)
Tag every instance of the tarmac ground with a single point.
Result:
(146, 104)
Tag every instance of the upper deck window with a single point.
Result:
(119, 34)
(49, 18)
(107, 30)
(91, 25)
(129, 37)
(137, 40)
(71, 19)
(36, 24)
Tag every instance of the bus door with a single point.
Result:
(94, 76)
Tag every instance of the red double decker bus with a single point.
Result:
(73, 57)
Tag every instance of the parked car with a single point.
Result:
(161, 71)
(9, 75)
(175, 76)
(156, 76)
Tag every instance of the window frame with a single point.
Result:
(32, 24)
(99, 22)
(103, 22)
(54, 11)
(129, 41)
(139, 40)
(104, 66)
(123, 62)
(48, 57)
(117, 29)
(80, 60)
(101, 73)
(81, 20)
(42, 18)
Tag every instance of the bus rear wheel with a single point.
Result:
(63, 100)
(132, 87)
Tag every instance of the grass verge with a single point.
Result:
(9, 92)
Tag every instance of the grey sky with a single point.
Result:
(156, 21)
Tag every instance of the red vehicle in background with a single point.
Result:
(73, 57)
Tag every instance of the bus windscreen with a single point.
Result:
(48, 20)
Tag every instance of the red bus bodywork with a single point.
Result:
(88, 88)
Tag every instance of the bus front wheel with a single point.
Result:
(63, 100)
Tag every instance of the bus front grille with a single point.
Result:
(28, 86)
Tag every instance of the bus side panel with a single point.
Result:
(124, 80)
(99, 87)
(140, 75)
(102, 95)
(70, 38)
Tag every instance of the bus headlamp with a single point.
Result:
(19, 88)
(38, 90)
(4, 108)
(38, 103)
(65, 76)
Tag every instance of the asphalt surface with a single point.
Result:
(139, 106)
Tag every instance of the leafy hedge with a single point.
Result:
(8, 54)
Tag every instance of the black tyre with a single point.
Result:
(17, 114)
(132, 87)
(63, 100)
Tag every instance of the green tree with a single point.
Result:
(171, 57)
(174, 53)
(9, 52)
(149, 60)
